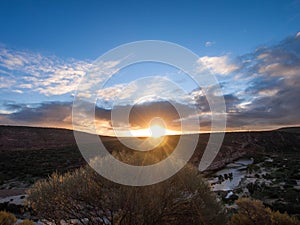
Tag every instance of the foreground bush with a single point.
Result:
(253, 212)
(90, 199)
(7, 218)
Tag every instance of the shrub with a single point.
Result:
(183, 199)
(253, 212)
(283, 219)
(7, 218)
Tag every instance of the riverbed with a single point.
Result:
(229, 178)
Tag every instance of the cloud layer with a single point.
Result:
(48, 75)
(261, 90)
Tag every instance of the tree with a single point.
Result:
(253, 212)
(7, 218)
(90, 199)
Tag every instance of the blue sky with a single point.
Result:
(251, 46)
(86, 29)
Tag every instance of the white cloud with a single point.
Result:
(280, 64)
(25, 85)
(268, 92)
(209, 43)
(99, 72)
(278, 69)
(48, 75)
(18, 91)
(109, 93)
(151, 89)
(6, 82)
(218, 64)
(147, 89)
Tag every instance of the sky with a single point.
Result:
(252, 47)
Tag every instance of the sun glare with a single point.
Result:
(157, 131)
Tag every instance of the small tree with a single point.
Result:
(7, 218)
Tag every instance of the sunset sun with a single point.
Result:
(157, 131)
(157, 128)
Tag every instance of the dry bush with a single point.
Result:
(90, 199)
(253, 212)
(7, 218)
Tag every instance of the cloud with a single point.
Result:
(109, 93)
(281, 61)
(218, 65)
(59, 114)
(6, 82)
(268, 92)
(48, 114)
(266, 111)
(18, 91)
(272, 91)
(25, 85)
(143, 90)
(261, 90)
(48, 75)
(98, 74)
(44, 112)
(209, 43)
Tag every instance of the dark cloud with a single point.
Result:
(59, 114)
(231, 100)
(274, 88)
(141, 114)
(282, 109)
(12, 106)
(52, 113)
(270, 87)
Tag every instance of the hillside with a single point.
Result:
(28, 154)
(23, 149)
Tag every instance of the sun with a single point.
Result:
(157, 131)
